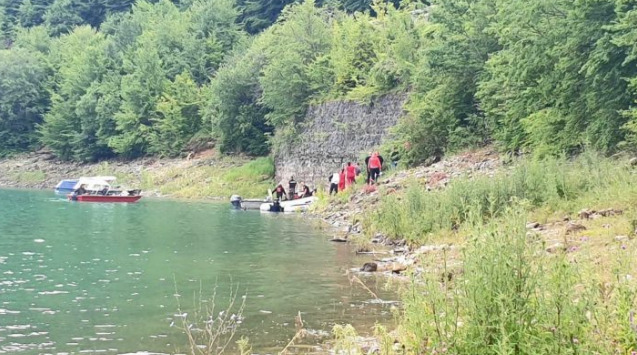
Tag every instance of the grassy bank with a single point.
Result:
(547, 188)
(502, 287)
(250, 179)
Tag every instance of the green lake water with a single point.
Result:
(104, 278)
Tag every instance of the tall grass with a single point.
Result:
(557, 183)
(509, 296)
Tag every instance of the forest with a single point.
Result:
(99, 79)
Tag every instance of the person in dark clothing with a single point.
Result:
(395, 157)
(291, 188)
(80, 190)
(305, 191)
(279, 192)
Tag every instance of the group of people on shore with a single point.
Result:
(339, 181)
(347, 176)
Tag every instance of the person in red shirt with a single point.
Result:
(374, 165)
(350, 174)
(341, 181)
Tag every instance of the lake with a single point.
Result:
(121, 278)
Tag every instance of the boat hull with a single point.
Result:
(298, 205)
(251, 204)
(100, 198)
(63, 191)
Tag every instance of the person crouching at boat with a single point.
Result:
(279, 192)
(305, 191)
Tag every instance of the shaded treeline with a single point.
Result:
(154, 77)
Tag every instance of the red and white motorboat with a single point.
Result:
(107, 198)
(100, 189)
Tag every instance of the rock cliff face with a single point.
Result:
(336, 133)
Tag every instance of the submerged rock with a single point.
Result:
(369, 267)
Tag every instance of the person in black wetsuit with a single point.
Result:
(291, 188)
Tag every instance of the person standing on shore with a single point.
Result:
(350, 174)
(334, 182)
(374, 165)
(341, 180)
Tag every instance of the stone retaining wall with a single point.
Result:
(337, 132)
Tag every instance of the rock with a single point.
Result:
(394, 267)
(584, 214)
(633, 161)
(621, 238)
(532, 225)
(555, 247)
(369, 267)
(610, 212)
(574, 228)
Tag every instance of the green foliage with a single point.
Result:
(557, 83)
(135, 88)
(62, 17)
(76, 127)
(223, 177)
(178, 117)
(24, 98)
(443, 113)
(510, 298)
(233, 107)
(256, 15)
(543, 76)
(290, 48)
(352, 52)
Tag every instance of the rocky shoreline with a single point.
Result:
(345, 218)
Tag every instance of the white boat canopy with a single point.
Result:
(95, 183)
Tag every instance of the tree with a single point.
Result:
(557, 85)
(443, 112)
(625, 36)
(233, 105)
(291, 48)
(24, 98)
(259, 14)
(61, 17)
(178, 117)
(141, 88)
(74, 126)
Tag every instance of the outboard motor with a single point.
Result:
(235, 200)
